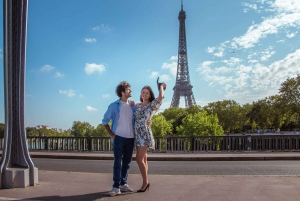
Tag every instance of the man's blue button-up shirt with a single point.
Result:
(113, 113)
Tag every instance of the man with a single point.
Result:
(120, 113)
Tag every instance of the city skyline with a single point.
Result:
(78, 51)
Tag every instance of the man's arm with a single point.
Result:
(107, 128)
(106, 118)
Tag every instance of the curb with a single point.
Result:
(170, 158)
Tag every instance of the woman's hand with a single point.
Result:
(149, 122)
(131, 103)
(163, 86)
(161, 92)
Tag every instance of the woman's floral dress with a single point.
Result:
(142, 132)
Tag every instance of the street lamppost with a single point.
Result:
(16, 167)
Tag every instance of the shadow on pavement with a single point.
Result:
(85, 197)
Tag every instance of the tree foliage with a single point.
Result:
(160, 126)
(2, 128)
(228, 112)
(82, 129)
(200, 123)
(100, 131)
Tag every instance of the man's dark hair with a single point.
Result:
(122, 86)
(151, 98)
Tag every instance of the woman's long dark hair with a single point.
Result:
(151, 98)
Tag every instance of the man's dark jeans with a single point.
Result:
(123, 148)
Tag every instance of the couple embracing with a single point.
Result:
(131, 127)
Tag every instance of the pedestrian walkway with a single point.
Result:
(73, 186)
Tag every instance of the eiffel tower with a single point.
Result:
(183, 85)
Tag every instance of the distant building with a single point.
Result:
(42, 126)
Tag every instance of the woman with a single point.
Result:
(142, 132)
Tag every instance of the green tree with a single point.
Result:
(193, 109)
(82, 129)
(245, 124)
(173, 113)
(289, 91)
(200, 124)
(160, 126)
(290, 100)
(2, 128)
(228, 112)
(30, 132)
(100, 131)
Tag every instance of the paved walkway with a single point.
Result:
(74, 186)
(58, 185)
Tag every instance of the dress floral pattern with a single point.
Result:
(142, 132)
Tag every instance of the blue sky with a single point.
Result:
(78, 51)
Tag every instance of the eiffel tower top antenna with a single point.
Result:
(181, 4)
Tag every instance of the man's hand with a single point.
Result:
(107, 128)
(149, 122)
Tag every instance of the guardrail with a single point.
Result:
(172, 143)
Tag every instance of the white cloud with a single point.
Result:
(291, 35)
(58, 74)
(233, 61)
(252, 61)
(270, 25)
(204, 68)
(154, 75)
(106, 96)
(81, 95)
(210, 49)
(249, 6)
(227, 87)
(69, 92)
(256, 81)
(251, 74)
(90, 108)
(90, 40)
(102, 27)
(267, 54)
(90, 68)
(174, 58)
(289, 6)
(171, 66)
(46, 68)
(222, 70)
(164, 78)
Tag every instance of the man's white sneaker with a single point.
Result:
(126, 188)
(114, 191)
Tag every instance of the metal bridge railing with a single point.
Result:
(172, 143)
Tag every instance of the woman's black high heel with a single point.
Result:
(146, 189)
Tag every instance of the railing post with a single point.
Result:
(249, 143)
(166, 144)
(90, 144)
(192, 143)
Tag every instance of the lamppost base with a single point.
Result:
(18, 177)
